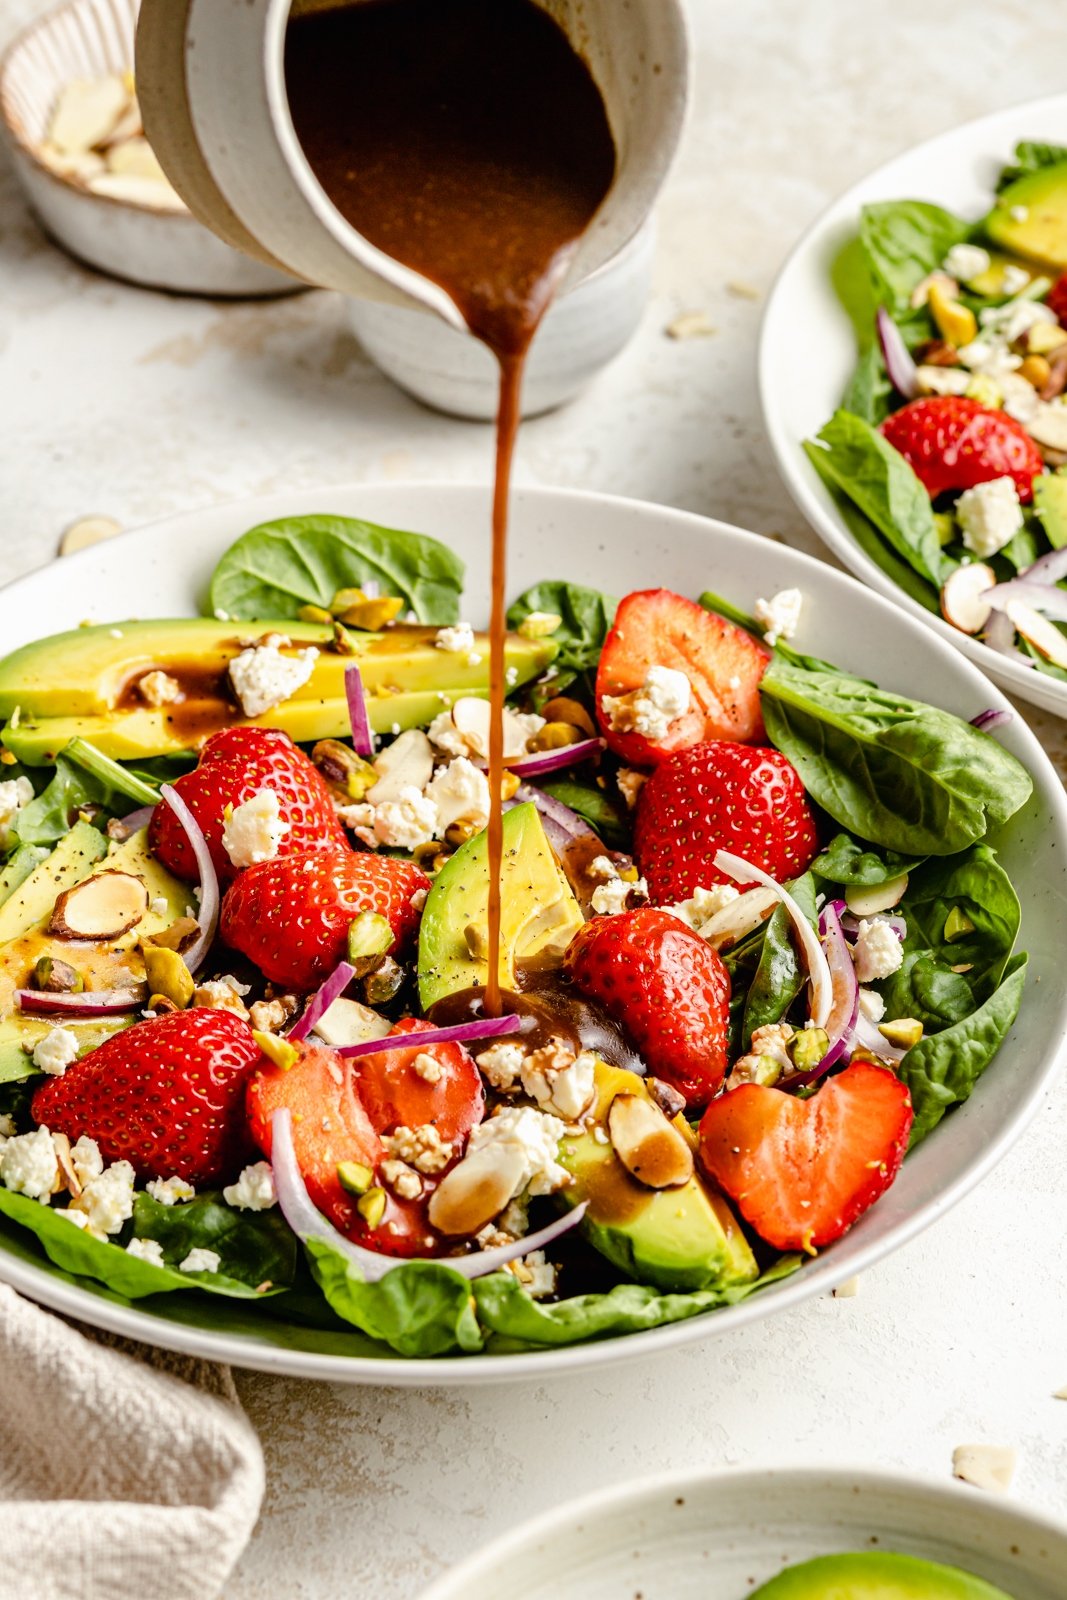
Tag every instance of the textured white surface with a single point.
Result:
(132, 404)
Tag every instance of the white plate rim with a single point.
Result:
(805, 489)
(819, 1276)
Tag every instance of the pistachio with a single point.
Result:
(764, 1070)
(458, 833)
(178, 936)
(650, 1148)
(168, 975)
(383, 983)
(935, 353)
(278, 1051)
(563, 709)
(904, 1032)
(476, 1190)
(354, 1177)
(56, 977)
(807, 1047)
(371, 1206)
(956, 322)
(957, 925)
(670, 1102)
(476, 938)
(369, 938)
(1044, 337)
(555, 735)
(882, 897)
(539, 624)
(159, 1003)
(1036, 370)
(315, 614)
(104, 906)
(348, 775)
(344, 599)
(342, 643)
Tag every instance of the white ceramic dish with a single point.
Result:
(161, 570)
(808, 349)
(162, 249)
(717, 1535)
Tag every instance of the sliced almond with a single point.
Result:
(987, 1466)
(649, 1147)
(85, 532)
(965, 596)
(471, 718)
(87, 112)
(348, 1022)
(1048, 425)
(1041, 633)
(178, 936)
(406, 763)
(883, 897)
(132, 189)
(83, 164)
(66, 1177)
(670, 1102)
(129, 126)
(476, 1191)
(103, 907)
(137, 157)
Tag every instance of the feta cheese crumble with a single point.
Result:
(533, 1135)
(262, 677)
(86, 1159)
(169, 1191)
(989, 515)
(149, 1250)
(254, 830)
(872, 1006)
(407, 821)
(877, 953)
(967, 261)
(107, 1200)
(779, 617)
(421, 1147)
(254, 1189)
(664, 696)
(703, 904)
(28, 1165)
(501, 1064)
(403, 1180)
(457, 640)
(460, 793)
(160, 689)
(609, 899)
(55, 1052)
(560, 1081)
(14, 794)
(630, 783)
(200, 1260)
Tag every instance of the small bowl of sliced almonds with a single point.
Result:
(69, 112)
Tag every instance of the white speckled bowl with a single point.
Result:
(144, 244)
(715, 1536)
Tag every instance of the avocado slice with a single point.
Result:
(1038, 230)
(991, 281)
(27, 859)
(1050, 503)
(24, 921)
(876, 1575)
(678, 1239)
(84, 683)
(539, 912)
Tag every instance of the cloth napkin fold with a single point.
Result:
(125, 1472)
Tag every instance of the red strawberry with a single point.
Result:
(1056, 299)
(166, 1095)
(396, 1093)
(721, 796)
(234, 765)
(666, 987)
(802, 1171)
(953, 443)
(723, 664)
(291, 915)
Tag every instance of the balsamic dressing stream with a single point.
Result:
(468, 140)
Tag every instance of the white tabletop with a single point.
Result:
(135, 404)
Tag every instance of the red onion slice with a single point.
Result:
(322, 1000)
(903, 373)
(999, 635)
(985, 721)
(1049, 568)
(552, 760)
(362, 737)
(840, 1025)
(1046, 598)
(561, 824)
(868, 1037)
(208, 914)
(819, 976)
(90, 1003)
(739, 918)
(307, 1222)
(457, 1033)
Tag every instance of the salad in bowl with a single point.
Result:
(756, 943)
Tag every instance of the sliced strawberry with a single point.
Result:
(802, 1171)
(1056, 300)
(723, 664)
(402, 1087)
(721, 796)
(953, 443)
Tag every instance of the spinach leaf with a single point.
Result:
(276, 568)
(422, 1308)
(255, 1247)
(903, 240)
(586, 617)
(942, 1069)
(853, 862)
(926, 988)
(869, 393)
(905, 776)
(878, 480)
(113, 778)
(869, 539)
(1030, 156)
(603, 814)
(779, 977)
(55, 810)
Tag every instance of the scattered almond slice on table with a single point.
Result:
(690, 325)
(986, 1466)
(85, 532)
(847, 1290)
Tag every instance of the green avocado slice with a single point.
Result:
(1030, 217)
(876, 1575)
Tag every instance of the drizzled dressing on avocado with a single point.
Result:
(468, 140)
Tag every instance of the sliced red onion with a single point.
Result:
(136, 820)
(561, 824)
(551, 760)
(208, 913)
(456, 1033)
(903, 373)
(362, 737)
(307, 1222)
(987, 720)
(322, 1000)
(840, 1025)
(1049, 568)
(1046, 598)
(89, 1003)
(851, 923)
(999, 635)
(868, 1037)
(819, 975)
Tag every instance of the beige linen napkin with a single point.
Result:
(125, 1472)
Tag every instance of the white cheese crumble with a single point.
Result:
(14, 794)
(664, 696)
(200, 1260)
(79, 1219)
(560, 1081)
(703, 904)
(262, 677)
(160, 689)
(86, 1159)
(427, 1067)
(28, 1165)
(779, 617)
(457, 639)
(533, 1135)
(222, 994)
(501, 1064)
(254, 1189)
(446, 737)
(990, 516)
(460, 793)
(149, 1250)
(877, 953)
(406, 822)
(630, 783)
(772, 1040)
(421, 1147)
(159, 906)
(55, 1052)
(872, 1006)
(609, 899)
(967, 261)
(107, 1200)
(1013, 278)
(403, 1180)
(169, 1191)
(254, 830)
(536, 1274)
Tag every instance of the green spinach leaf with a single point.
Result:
(255, 1247)
(586, 615)
(853, 862)
(1030, 156)
(604, 815)
(869, 393)
(55, 810)
(942, 1069)
(421, 1308)
(906, 776)
(869, 539)
(276, 568)
(903, 240)
(779, 977)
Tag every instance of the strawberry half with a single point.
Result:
(721, 796)
(1056, 300)
(802, 1171)
(167, 1095)
(666, 987)
(953, 443)
(291, 916)
(234, 765)
(654, 627)
(400, 1090)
